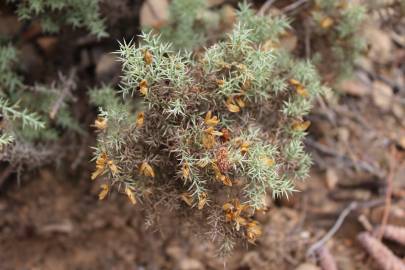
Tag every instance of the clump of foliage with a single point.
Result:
(217, 133)
(336, 41)
(32, 117)
(52, 14)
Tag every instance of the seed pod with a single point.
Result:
(222, 160)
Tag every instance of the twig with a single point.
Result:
(351, 207)
(388, 193)
(382, 255)
(307, 40)
(333, 230)
(365, 222)
(293, 6)
(393, 233)
(68, 85)
(326, 260)
(265, 7)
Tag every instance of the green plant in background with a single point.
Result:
(217, 133)
(31, 116)
(52, 14)
(336, 41)
(189, 24)
(34, 118)
(9, 110)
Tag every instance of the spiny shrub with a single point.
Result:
(52, 14)
(216, 132)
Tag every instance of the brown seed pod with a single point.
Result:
(222, 160)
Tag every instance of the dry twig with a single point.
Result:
(293, 6)
(315, 247)
(388, 193)
(265, 7)
(326, 260)
(391, 232)
(351, 207)
(68, 85)
(381, 254)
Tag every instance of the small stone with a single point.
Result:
(190, 264)
(47, 44)
(380, 44)
(331, 178)
(354, 88)
(107, 67)
(307, 266)
(382, 95)
(154, 13)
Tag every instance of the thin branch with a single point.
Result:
(293, 6)
(315, 247)
(381, 254)
(68, 85)
(265, 7)
(351, 207)
(388, 193)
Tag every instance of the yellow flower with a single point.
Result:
(226, 180)
(210, 120)
(113, 168)
(220, 83)
(232, 107)
(101, 163)
(233, 211)
(143, 87)
(186, 171)
(326, 22)
(253, 231)
(220, 177)
(301, 125)
(202, 200)
(244, 147)
(130, 195)
(187, 198)
(208, 138)
(100, 123)
(299, 88)
(104, 191)
(148, 57)
(140, 119)
(241, 103)
(270, 162)
(146, 169)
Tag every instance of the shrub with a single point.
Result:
(216, 131)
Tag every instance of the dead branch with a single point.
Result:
(265, 7)
(388, 193)
(68, 85)
(381, 254)
(293, 6)
(326, 260)
(351, 207)
(315, 247)
(391, 232)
